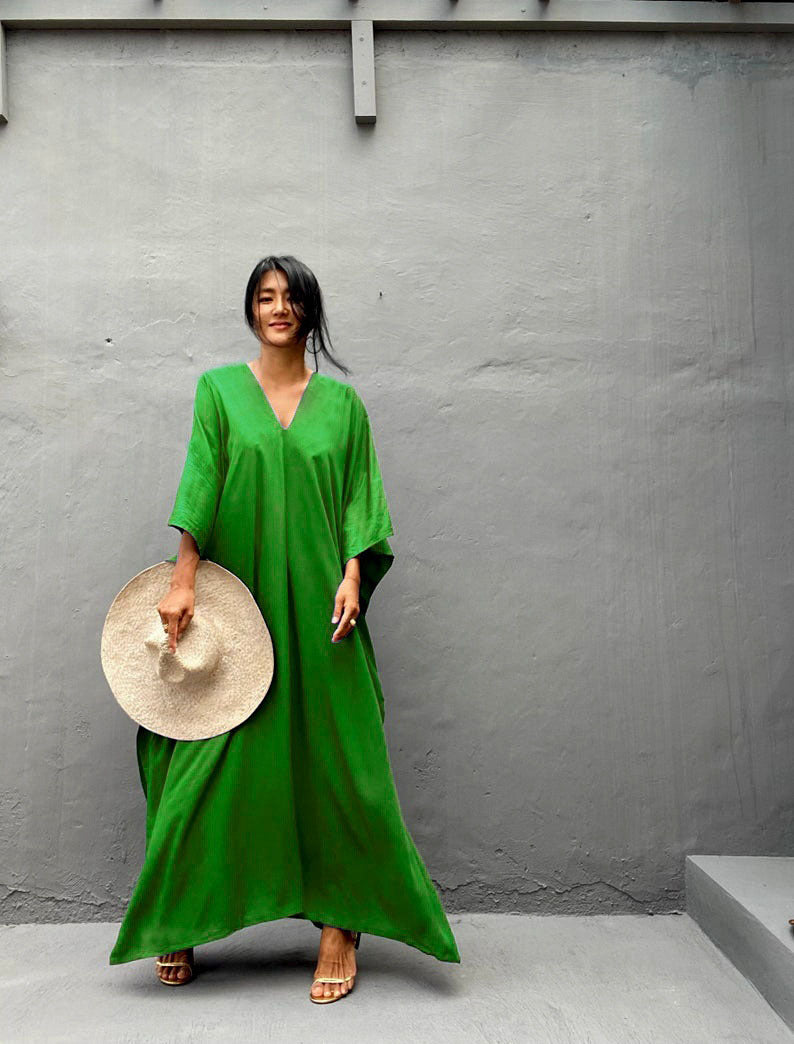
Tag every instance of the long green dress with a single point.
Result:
(294, 812)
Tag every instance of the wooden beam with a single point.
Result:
(651, 15)
(363, 70)
(3, 78)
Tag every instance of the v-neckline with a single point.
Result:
(270, 404)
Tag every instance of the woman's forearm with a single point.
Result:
(184, 574)
(353, 569)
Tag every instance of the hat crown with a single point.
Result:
(196, 656)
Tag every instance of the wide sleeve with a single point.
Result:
(200, 486)
(366, 522)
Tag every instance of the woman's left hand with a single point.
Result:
(346, 606)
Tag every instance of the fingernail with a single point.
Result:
(334, 619)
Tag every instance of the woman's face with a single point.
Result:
(274, 314)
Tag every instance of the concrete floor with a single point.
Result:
(540, 980)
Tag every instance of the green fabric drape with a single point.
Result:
(294, 812)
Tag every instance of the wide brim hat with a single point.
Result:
(220, 671)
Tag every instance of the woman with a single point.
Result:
(293, 813)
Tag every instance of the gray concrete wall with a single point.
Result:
(560, 268)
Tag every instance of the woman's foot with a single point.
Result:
(335, 960)
(177, 973)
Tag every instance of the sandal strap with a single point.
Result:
(326, 978)
(174, 964)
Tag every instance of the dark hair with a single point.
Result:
(307, 299)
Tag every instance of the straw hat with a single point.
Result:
(222, 667)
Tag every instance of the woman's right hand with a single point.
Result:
(176, 611)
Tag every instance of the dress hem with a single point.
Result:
(214, 934)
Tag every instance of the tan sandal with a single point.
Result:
(174, 964)
(327, 1000)
(326, 978)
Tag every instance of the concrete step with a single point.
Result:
(743, 904)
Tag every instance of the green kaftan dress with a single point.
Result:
(294, 812)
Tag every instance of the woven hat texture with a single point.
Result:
(220, 671)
